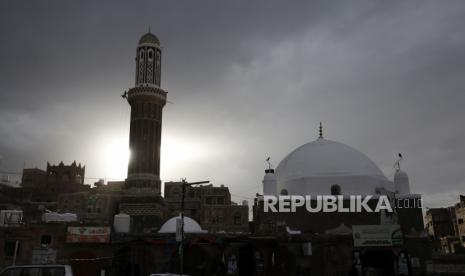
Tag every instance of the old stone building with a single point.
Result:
(446, 227)
(460, 215)
(45, 186)
(39, 189)
(91, 207)
(441, 222)
(210, 206)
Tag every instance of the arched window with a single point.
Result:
(335, 189)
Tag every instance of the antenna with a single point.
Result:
(397, 164)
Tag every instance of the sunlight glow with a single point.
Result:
(116, 156)
(179, 156)
(178, 153)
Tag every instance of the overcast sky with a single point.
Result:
(246, 80)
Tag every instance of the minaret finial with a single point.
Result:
(321, 131)
(270, 167)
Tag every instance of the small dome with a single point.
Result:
(190, 226)
(149, 38)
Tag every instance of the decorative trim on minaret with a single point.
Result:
(321, 131)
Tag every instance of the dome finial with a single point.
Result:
(321, 131)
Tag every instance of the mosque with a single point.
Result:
(376, 243)
(325, 167)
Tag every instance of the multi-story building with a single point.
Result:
(440, 222)
(90, 207)
(45, 186)
(210, 206)
(460, 215)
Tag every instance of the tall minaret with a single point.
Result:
(147, 100)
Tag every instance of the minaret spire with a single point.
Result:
(321, 131)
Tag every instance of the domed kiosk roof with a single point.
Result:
(190, 226)
(322, 158)
(149, 38)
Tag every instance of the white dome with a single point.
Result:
(314, 167)
(325, 157)
(190, 226)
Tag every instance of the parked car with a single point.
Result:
(38, 270)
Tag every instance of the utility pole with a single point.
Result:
(181, 245)
(16, 252)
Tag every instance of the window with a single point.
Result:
(9, 249)
(460, 221)
(284, 192)
(46, 239)
(237, 219)
(335, 189)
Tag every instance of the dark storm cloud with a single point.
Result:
(253, 78)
